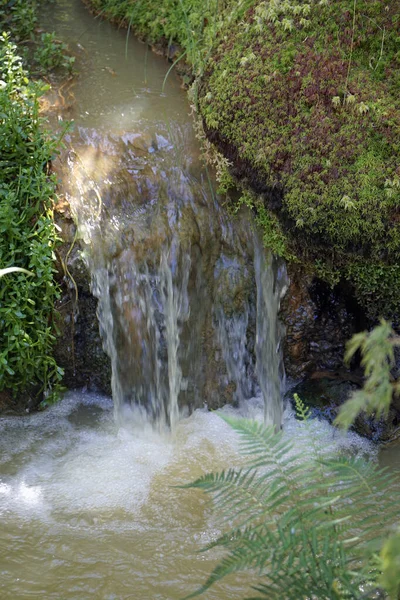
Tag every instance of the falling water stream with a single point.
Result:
(187, 306)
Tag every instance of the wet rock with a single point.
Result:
(319, 321)
(79, 348)
(140, 143)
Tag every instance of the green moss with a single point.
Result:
(377, 285)
(313, 106)
(273, 236)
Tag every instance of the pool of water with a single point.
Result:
(89, 509)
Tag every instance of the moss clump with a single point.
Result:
(305, 99)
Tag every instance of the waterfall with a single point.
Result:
(232, 336)
(271, 286)
(141, 310)
(188, 300)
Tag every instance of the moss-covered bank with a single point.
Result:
(304, 99)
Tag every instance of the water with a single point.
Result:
(88, 509)
(174, 274)
(271, 287)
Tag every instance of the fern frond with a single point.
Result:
(390, 566)
(377, 349)
(248, 549)
(309, 567)
(305, 525)
(303, 412)
(258, 440)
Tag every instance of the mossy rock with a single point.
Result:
(304, 98)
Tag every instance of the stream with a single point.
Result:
(187, 305)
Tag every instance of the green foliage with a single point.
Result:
(376, 285)
(377, 349)
(27, 234)
(52, 54)
(19, 16)
(273, 235)
(390, 566)
(43, 50)
(304, 525)
(303, 98)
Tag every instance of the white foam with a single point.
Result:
(73, 459)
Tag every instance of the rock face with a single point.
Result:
(319, 321)
(79, 346)
(172, 272)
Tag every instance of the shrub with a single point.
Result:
(27, 234)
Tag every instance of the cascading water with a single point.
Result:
(271, 286)
(169, 273)
(141, 311)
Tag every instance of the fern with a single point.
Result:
(377, 348)
(305, 525)
(390, 565)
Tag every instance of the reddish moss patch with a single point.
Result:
(308, 109)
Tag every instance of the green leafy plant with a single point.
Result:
(19, 16)
(27, 235)
(377, 348)
(41, 50)
(306, 526)
(52, 54)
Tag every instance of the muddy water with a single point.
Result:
(88, 509)
(119, 80)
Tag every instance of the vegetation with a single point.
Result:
(378, 359)
(43, 50)
(307, 526)
(303, 99)
(27, 235)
